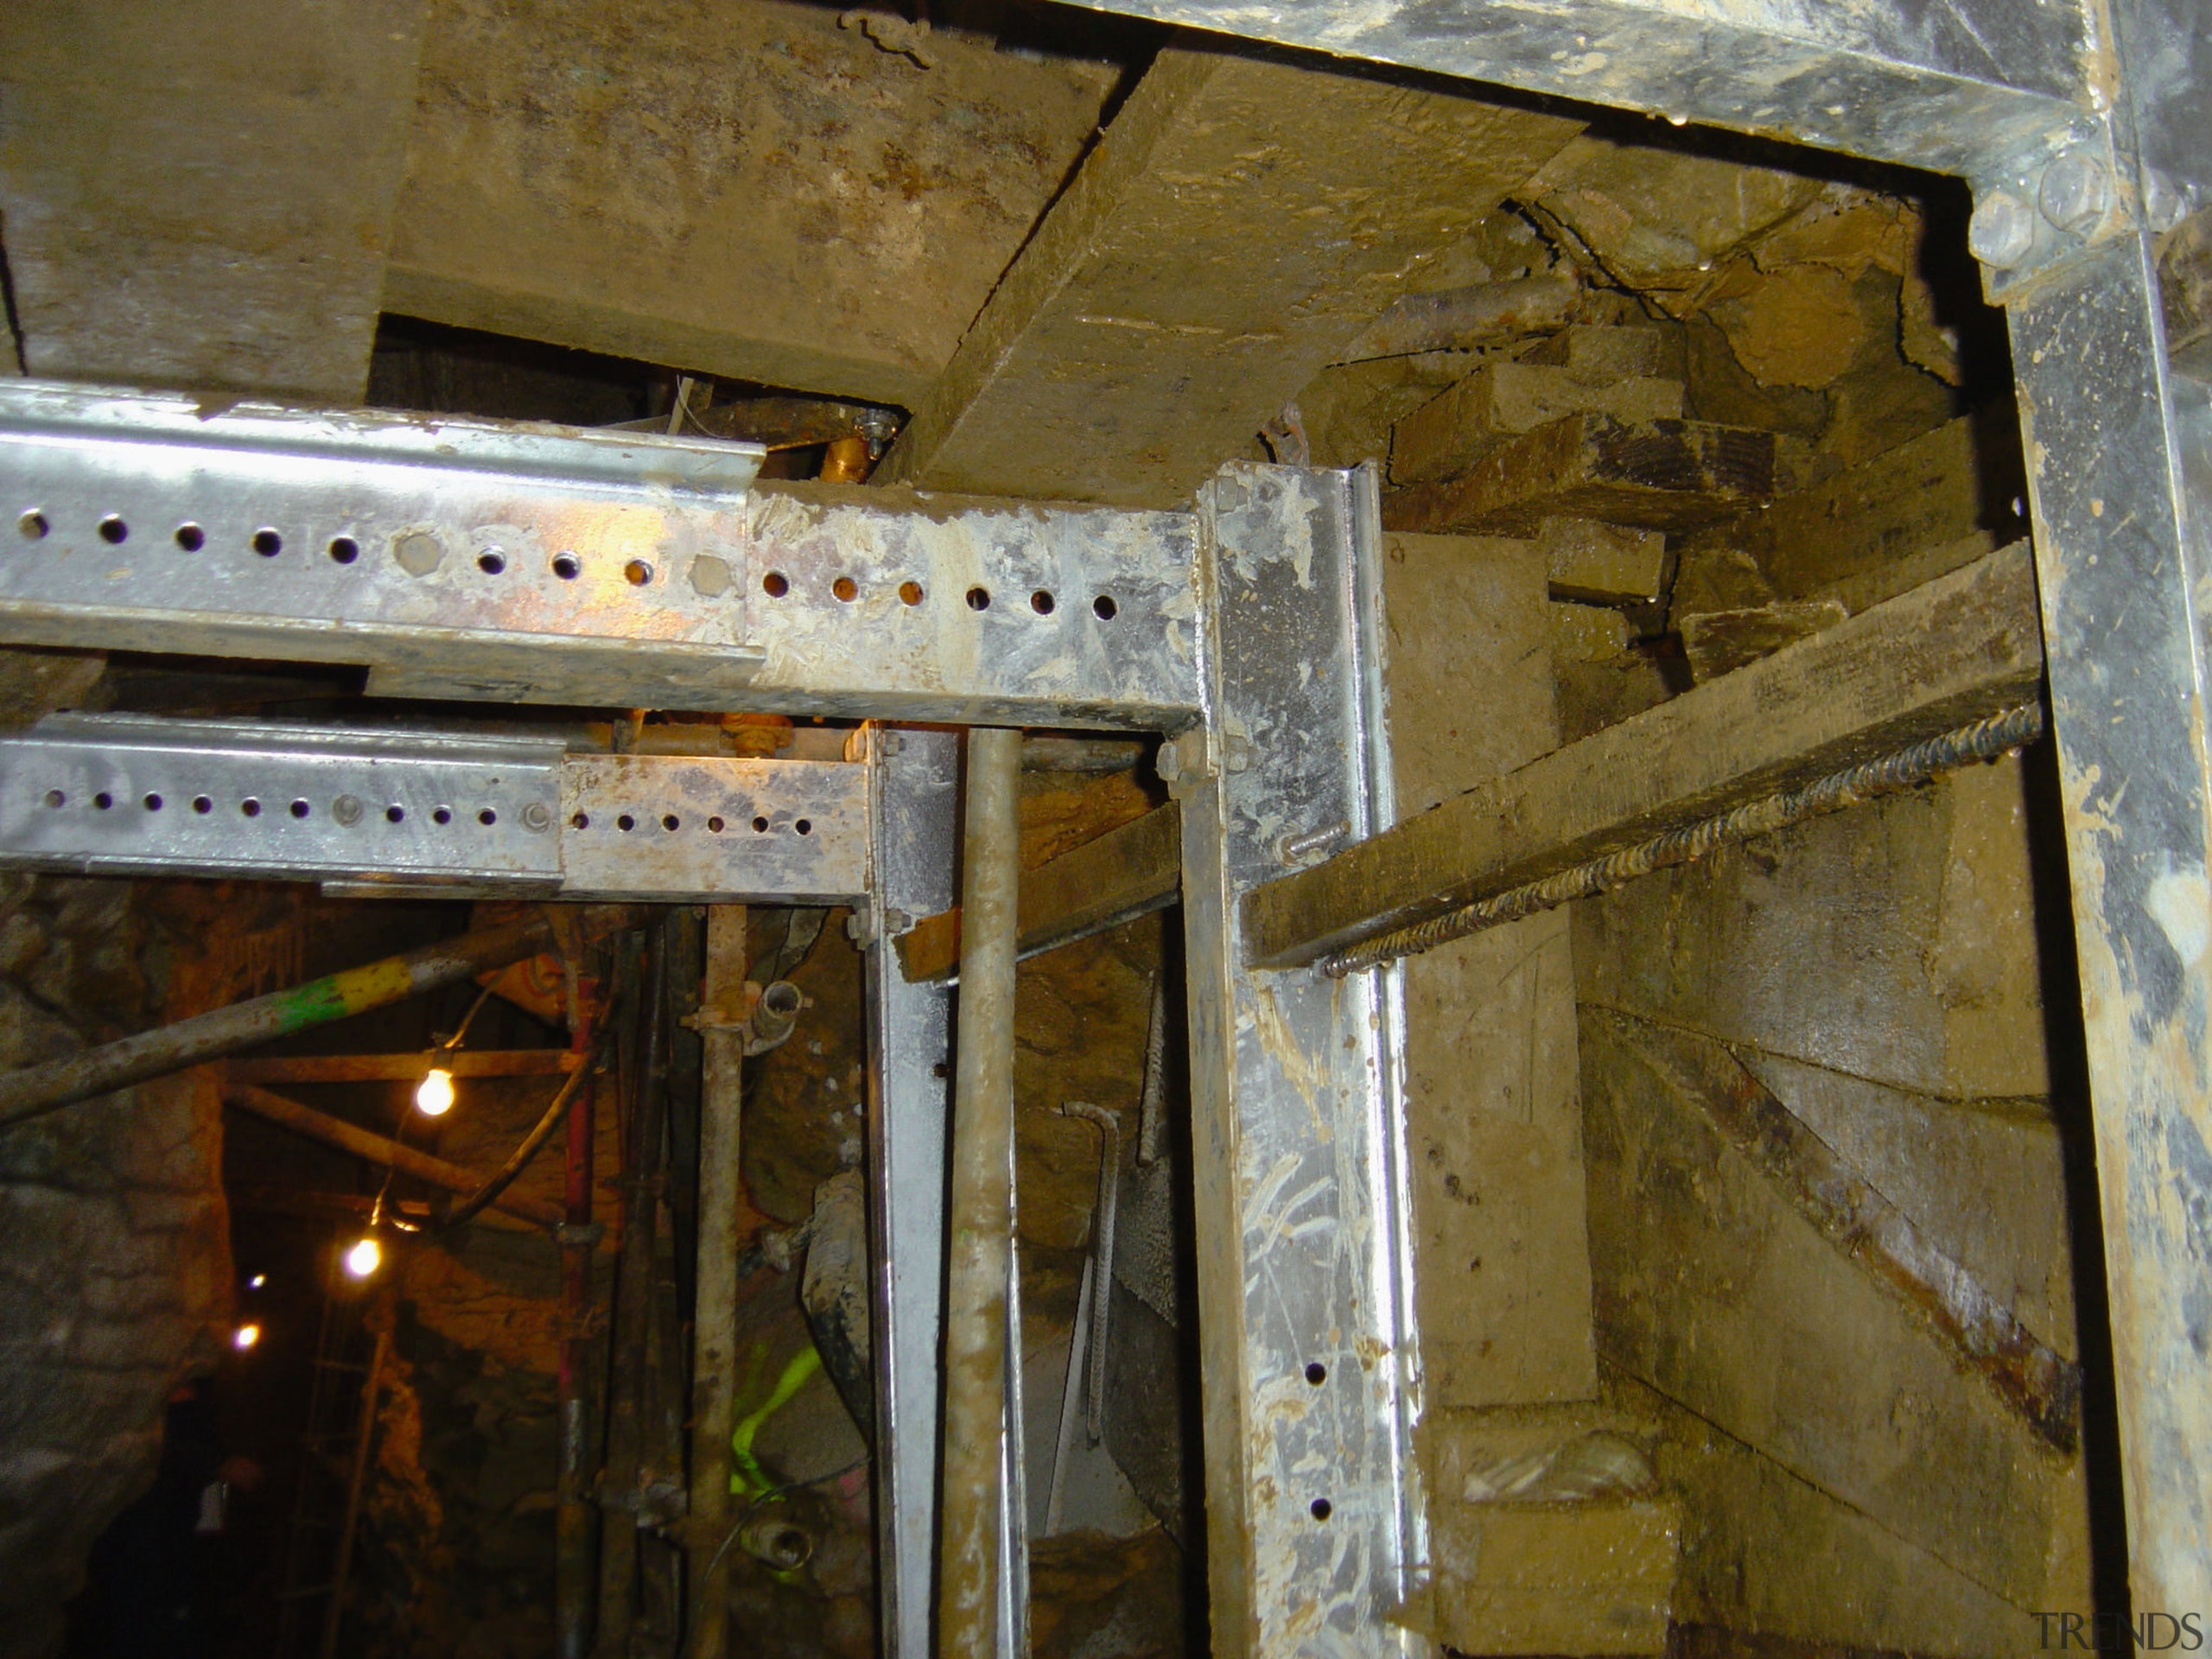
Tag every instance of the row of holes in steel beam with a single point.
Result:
(1042, 601)
(347, 810)
(34, 526)
(115, 530)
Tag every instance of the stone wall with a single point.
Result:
(114, 1238)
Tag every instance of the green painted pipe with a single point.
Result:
(34, 1090)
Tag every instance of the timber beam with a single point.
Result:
(1128, 872)
(1957, 650)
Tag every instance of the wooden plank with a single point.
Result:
(199, 197)
(766, 190)
(1956, 649)
(1124, 873)
(1714, 1288)
(1659, 474)
(1241, 221)
(400, 1068)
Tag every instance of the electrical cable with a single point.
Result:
(519, 1160)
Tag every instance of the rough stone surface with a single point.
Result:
(115, 1239)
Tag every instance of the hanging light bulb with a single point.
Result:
(434, 1095)
(245, 1336)
(365, 1257)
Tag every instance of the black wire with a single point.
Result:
(519, 1158)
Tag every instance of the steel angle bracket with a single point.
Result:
(1315, 1525)
(133, 795)
(497, 562)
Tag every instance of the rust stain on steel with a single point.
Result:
(973, 609)
(2040, 1384)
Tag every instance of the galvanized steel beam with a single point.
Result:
(1929, 85)
(505, 562)
(140, 796)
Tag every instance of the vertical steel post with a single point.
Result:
(2112, 438)
(2119, 473)
(722, 1215)
(915, 837)
(1307, 1346)
(974, 1564)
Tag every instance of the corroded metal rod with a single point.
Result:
(36, 1090)
(981, 1206)
(714, 1363)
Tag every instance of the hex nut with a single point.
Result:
(536, 817)
(2002, 231)
(347, 809)
(710, 575)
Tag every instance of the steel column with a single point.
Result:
(1310, 1375)
(2120, 451)
(915, 836)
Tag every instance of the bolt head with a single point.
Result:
(346, 808)
(2002, 231)
(2165, 203)
(2076, 192)
(537, 816)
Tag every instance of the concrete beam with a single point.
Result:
(200, 198)
(1243, 220)
(748, 190)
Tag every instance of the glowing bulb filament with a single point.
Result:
(365, 1257)
(434, 1095)
(245, 1336)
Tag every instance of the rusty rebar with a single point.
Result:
(1905, 768)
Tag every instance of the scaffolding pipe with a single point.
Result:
(980, 1208)
(377, 1148)
(722, 1214)
(575, 1568)
(625, 1371)
(36, 1090)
